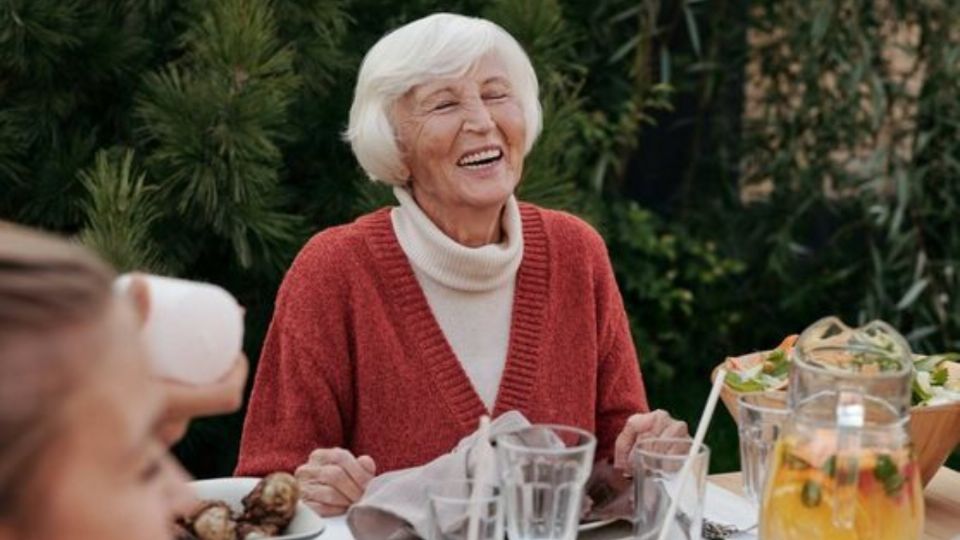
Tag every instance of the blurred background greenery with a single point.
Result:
(753, 166)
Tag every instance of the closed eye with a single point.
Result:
(495, 97)
(444, 105)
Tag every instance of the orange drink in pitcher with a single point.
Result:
(803, 494)
(844, 467)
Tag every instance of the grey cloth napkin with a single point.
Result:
(395, 505)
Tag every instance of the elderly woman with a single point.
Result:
(394, 334)
(83, 423)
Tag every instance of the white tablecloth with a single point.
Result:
(722, 506)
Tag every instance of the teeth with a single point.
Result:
(471, 159)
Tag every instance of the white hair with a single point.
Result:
(439, 45)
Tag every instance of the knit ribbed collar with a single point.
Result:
(452, 264)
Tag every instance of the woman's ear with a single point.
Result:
(139, 293)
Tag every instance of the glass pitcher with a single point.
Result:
(844, 467)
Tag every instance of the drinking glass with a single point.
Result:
(844, 466)
(452, 505)
(656, 476)
(762, 416)
(544, 469)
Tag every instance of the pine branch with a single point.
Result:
(13, 145)
(555, 166)
(316, 30)
(120, 210)
(540, 27)
(213, 120)
(34, 34)
(50, 196)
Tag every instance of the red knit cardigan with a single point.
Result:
(354, 358)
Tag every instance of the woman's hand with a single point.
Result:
(332, 479)
(644, 426)
(185, 401)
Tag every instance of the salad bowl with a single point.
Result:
(934, 417)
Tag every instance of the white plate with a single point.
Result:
(306, 523)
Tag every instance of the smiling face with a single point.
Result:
(462, 140)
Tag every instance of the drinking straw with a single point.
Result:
(481, 466)
(694, 450)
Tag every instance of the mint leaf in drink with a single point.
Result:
(811, 494)
(885, 467)
(794, 463)
(888, 474)
(830, 467)
(893, 484)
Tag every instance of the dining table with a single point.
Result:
(941, 521)
(941, 507)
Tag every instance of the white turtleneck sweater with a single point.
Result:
(469, 290)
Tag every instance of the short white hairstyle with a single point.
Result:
(439, 45)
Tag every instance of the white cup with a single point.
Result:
(193, 331)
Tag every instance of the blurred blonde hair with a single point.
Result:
(439, 45)
(47, 286)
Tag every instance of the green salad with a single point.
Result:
(936, 378)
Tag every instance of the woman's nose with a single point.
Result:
(478, 118)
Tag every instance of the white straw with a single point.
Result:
(694, 450)
(481, 467)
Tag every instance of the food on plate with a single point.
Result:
(273, 502)
(936, 377)
(267, 510)
(213, 520)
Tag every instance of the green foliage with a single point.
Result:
(668, 280)
(857, 143)
(121, 209)
(66, 70)
(540, 26)
(848, 134)
(204, 139)
(221, 123)
(212, 121)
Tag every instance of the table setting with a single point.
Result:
(826, 453)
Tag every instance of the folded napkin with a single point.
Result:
(395, 505)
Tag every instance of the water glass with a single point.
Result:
(543, 470)
(656, 477)
(452, 504)
(761, 418)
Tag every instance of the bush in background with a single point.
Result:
(202, 139)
